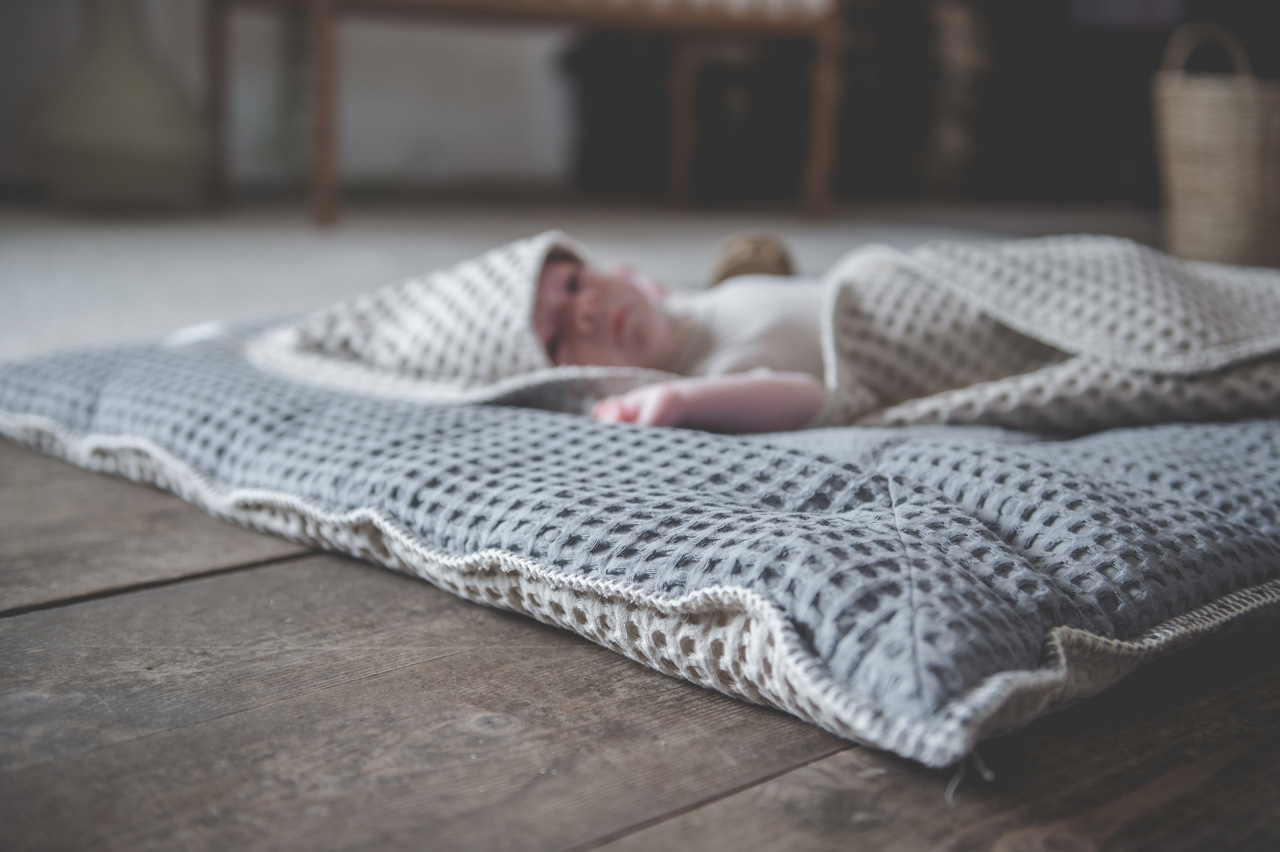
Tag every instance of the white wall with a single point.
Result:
(422, 101)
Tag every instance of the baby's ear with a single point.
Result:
(652, 290)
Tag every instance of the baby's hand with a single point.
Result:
(738, 402)
(652, 405)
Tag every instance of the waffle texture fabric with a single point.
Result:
(1071, 334)
(462, 334)
(916, 589)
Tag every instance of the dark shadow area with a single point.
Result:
(994, 100)
(1219, 692)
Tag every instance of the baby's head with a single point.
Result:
(588, 316)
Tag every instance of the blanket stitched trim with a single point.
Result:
(725, 638)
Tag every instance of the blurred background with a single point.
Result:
(453, 131)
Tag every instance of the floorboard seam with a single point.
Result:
(248, 709)
(605, 840)
(153, 584)
(292, 697)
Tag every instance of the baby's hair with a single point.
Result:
(558, 254)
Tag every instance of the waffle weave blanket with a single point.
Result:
(1070, 334)
(918, 589)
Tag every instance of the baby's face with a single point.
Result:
(591, 317)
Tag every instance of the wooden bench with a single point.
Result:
(686, 20)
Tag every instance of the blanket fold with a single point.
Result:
(1066, 333)
(1070, 334)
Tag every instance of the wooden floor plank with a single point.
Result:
(1183, 756)
(76, 678)
(66, 534)
(325, 704)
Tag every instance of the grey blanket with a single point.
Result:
(917, 589)
(1074, 333)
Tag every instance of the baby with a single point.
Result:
(750, 348)
(1059, 334)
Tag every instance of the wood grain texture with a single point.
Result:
(682, 77)
(66, 533)
(322, 58)
(680, 17)
(216, 24)
(820, 159)
(80, 677)
(326, 704)
(1182, 756)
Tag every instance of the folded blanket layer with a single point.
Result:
(916, 589)
(1071, 334)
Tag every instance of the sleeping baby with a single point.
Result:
(750, 347)
(1062, 334)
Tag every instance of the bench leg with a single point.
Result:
(323, 60)
(820, 163)
(215, 95)
(681, 84)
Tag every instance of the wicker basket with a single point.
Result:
(1218, 141)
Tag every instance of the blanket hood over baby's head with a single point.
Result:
(462, 334)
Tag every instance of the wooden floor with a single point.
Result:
(169, 682)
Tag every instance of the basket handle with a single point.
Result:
(1188, 37)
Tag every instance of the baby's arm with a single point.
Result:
(736, 402)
